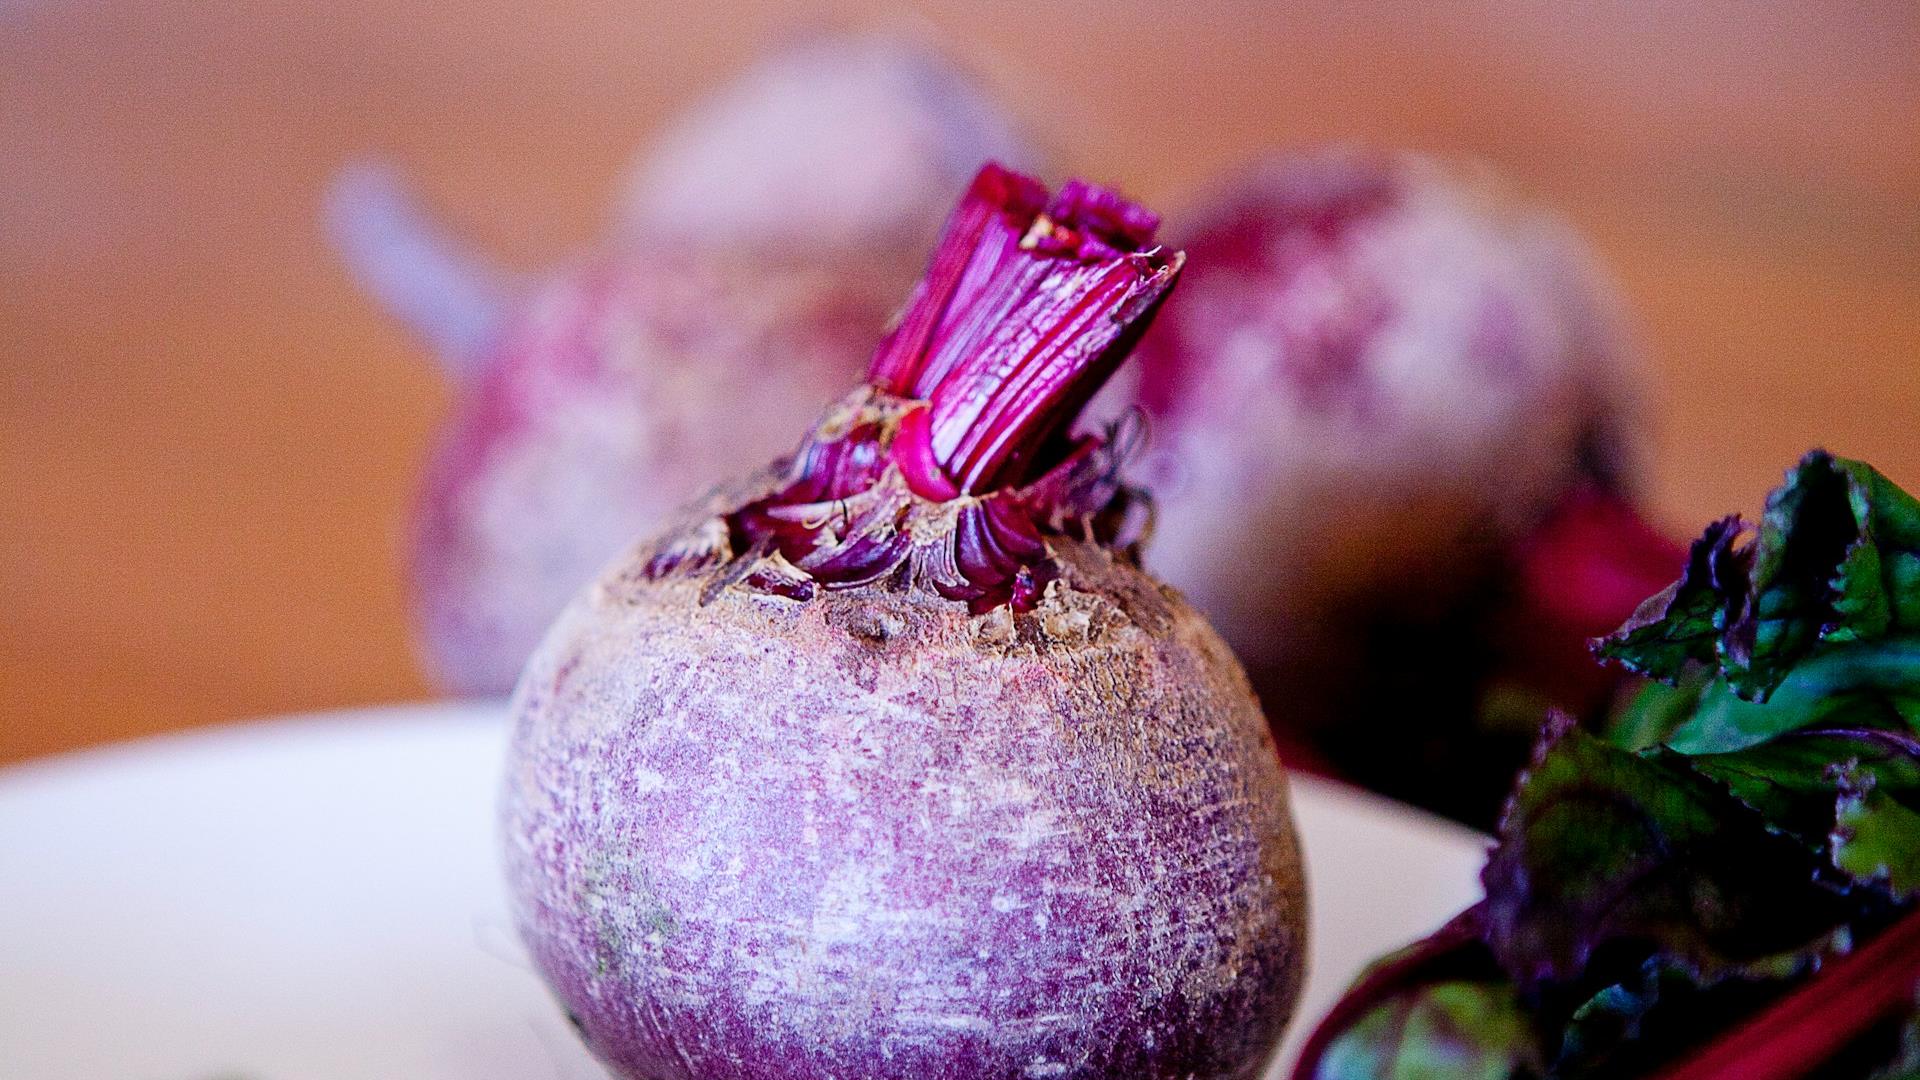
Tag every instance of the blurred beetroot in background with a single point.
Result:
(758, 252)
(1394, 389)
(839, 146)
(614, 395)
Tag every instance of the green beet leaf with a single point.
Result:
(1836, 559)
(1870, 684)
(1452, 1030)
(1608, 1023)
(1732, 828)
(1639, 855)
(1651, 715)
(1435, 1010)
(1795, 781)
(1876, 837)
(1680, 627)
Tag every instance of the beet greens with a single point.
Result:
(1724, 845)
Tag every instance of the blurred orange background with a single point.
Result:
(208, 437)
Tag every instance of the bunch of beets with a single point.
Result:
(1390, 428)
(943, 743)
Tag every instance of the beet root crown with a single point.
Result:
(952, 466)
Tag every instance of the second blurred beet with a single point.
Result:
(1387, 376)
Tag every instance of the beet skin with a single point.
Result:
(872, 835)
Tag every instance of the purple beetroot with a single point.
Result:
(844, 143)
(598, 397)
(890, 761)
(622, 389)
(1381, 378)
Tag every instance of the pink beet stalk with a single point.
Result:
(1013, 328)
(1027, 308)
(892, 763)
(1808, 1028)
(452, 298)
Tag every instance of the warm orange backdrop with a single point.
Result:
(207, 438)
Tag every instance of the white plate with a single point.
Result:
(315, 899)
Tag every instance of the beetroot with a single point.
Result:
(892, 762)
(622, 389)
(1381, 378)
(593, 402)
(847, 143)
(603, 395)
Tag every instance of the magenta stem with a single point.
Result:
(1795, 1036)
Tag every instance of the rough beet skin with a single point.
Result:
(892, 762)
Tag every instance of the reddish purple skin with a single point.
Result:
(621, 389)
(1378, 374)
(873, 836)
